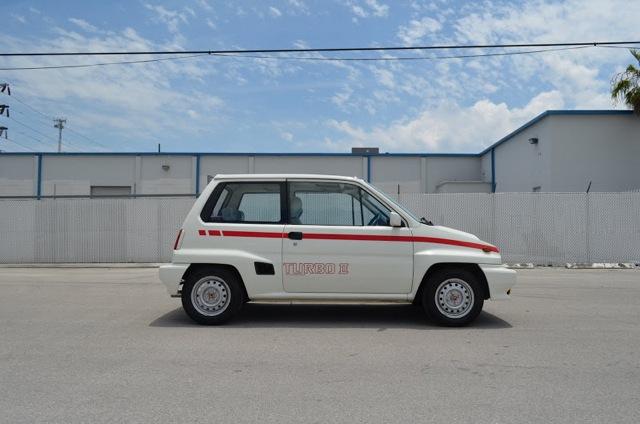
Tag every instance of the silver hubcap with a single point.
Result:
(210, 296)
(454, 298)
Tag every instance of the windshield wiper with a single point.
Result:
(426, 221)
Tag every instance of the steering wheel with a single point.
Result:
(376, 220)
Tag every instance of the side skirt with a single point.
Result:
(333, 297)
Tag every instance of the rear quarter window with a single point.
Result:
(248, 202)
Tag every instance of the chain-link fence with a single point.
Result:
(542, 228)
(528, 227)
(90, 230)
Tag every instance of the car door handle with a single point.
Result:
(295, 235)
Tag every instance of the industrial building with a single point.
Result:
(558, 151)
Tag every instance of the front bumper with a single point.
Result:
(171, 277)
(500, 280)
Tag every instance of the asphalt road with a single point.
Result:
(108, 345)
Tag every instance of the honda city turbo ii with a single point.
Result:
(324, 238)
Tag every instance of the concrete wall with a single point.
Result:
(177, 173)
(71, 175)
(18, 175)
(155, 178)
(572, 149)
(456, 168)
(519, 165)
(391, 174)
(340, 165)
(602, 149)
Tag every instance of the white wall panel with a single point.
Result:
(333, 165)
(17, 175)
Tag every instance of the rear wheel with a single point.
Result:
(452, 297)
(212, 296)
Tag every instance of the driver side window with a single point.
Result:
(335, 204)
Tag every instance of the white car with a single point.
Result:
(324, 238)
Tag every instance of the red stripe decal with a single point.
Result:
(259, 234)
(366, 237)
(485, 247)
(215, 233)
(202, 232)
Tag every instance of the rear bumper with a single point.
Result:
(171, 277)
(500, 280)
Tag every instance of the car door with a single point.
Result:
(338, 240)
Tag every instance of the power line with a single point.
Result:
(32, 129)
(378, 59)
(49, 118)
(320, 50)
(67, 142)
(87, 138)
(43, 122)
(39, 120)
(29, 149)
(305, 58)
(30, 107)
(89, 65)
(33, 138)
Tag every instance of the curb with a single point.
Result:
(601, 265)
(526, 265)
(82, 265)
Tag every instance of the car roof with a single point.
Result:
(282, 176)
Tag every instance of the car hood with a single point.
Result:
(444, 232)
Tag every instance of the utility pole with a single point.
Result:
(4, 88)
(59, 124)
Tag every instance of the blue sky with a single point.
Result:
(233, 104)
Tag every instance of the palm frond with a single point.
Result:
(625, 86)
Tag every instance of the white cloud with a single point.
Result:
(285, 135)
(418, 29)
(132, 103)
(83, 24)
(275, 12)
(19, 18)
(171, 18)
(385, 77)
(378, 9)
(581, 76)
(205, 5)
(210, 23)
(299, 6)
(368, 8)
(448, 127)
(341, 98)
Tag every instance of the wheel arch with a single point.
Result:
(213, 266)
(470, 267)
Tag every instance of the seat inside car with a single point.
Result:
(296, 211)
(230, 214)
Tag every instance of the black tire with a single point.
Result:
(215, 283)
(460, 281)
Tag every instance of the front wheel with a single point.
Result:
(452, 297)
(212, 296)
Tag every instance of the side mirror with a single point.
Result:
(395, 220)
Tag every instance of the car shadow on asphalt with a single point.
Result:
(381, 317)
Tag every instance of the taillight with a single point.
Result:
(178, 241)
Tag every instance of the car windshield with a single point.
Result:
(390, 199)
